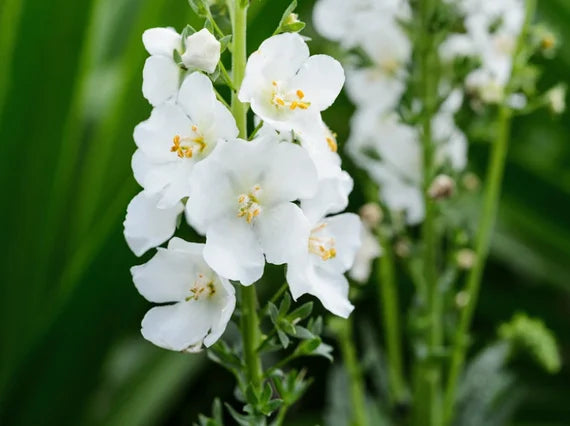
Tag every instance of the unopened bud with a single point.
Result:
(293, 18)
(402, 248)
(441, 188)
(371, 215)
(462, 299)
(465, 258)
(556, 98)
(548, 41)
(471, 182)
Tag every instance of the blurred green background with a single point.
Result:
(70, 348)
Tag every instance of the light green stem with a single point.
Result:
(249, 318)
(388, 294)
(488, 216)
(356, 381)
(428, 373)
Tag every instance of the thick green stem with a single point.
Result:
(249, 318)
(488, 216)
(428, 379)
(356, 381)
(388, 294)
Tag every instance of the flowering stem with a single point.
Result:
(488, 216)
(428, 380)
(249, 320)
(345, 337)
(388, 292)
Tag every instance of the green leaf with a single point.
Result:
(285, 304)
(187, 32)
(301, 312)
(225, 41)
(283, 339)
(200, 7)
(531, 335)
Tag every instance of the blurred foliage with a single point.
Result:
(69, 316)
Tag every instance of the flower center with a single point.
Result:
(202, 286)
(248, 203)
(291, 100)
(184, 146)
(324, 247)
(390, 66)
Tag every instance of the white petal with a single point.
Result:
(227, 305)
(169, 275)
(155, 135)
(283, 232)
(179, 326)
(346, 229)
(331, 197)
(213, 194)
(330, 288)
(290, 174)
(147, 226)
(197, 98)
(232, 250)
(202, 51)
(321, 78)
(160, 79)
(369, 250)
(161, 41)
(278, 58)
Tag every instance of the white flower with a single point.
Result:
(391, 153)
(556, 98)
(202, 302)
(285, 87)
(382, 84)
(147, 226)
(161, 75)
(329, 247)
(241, 200)
(369, 250)
(350, 22)
(177, 136)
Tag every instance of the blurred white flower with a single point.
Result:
(147, 226)
(556, 98)
(161, 74)
(369, 250)
(285, 87)
(241, 201)
(177, 136)
(202, 302)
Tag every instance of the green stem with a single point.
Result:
(356, 382)
(388, 294)
(249, 319)
(428, 380)
(488, 216)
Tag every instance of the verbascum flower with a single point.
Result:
(242, 201)
(177, 136)
(201, 302)
(286, 87)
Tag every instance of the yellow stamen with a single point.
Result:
(300, 94)
(322, 247)
(332, 144)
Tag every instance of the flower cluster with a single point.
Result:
(274, 198)
(381, 142)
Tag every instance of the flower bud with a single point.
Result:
(293, 18)
(470, 182)
(441, 188)
(461, 299)
(371, 215)
(202, 51)
(548, 41)
(556, 98)
(465, 258)
(402, 248)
